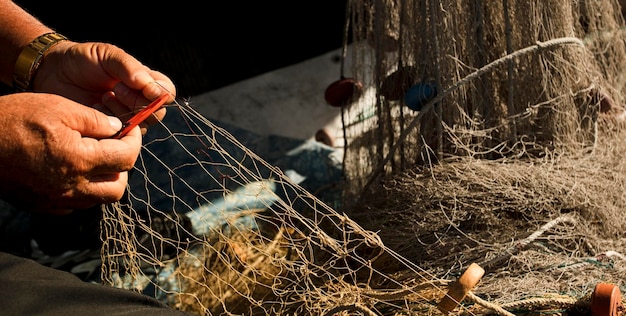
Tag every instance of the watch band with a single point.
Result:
(29, 59)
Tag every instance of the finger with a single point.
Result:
(111, 102)
(115, 156)
(93, 191)
(124, 66)
(92, 123)
(135, 75)
(112, 105)
(135, 101)
(106, 188)
(165, 85)
(109, 161)
(153, 90)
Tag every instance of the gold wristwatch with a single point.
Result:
(29, 59)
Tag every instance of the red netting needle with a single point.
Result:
(141, 116)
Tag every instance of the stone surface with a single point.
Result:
(288, 101)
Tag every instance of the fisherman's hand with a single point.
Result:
(57, 154)
(89, 72)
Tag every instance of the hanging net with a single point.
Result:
(482, 134)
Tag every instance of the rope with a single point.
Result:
(351, 307)
(560, 302)
(488, 305)
(526, 241)
(476, 74)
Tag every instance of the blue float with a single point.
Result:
(418, 95)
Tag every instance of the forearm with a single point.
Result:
(17, 29)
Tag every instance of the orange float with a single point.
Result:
(459, 289)
(606, 300)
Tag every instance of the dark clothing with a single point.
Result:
(29, 288)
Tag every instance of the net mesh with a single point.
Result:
(511, 77)
(512, 160)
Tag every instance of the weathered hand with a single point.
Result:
(57, 154)
(88, 72)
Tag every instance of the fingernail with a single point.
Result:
(121, 89)
(116, 124)
(153, 91)
(143, 76)
(107, 96)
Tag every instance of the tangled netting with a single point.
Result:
(511, 160)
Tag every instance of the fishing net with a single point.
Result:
(508, 156)
(505, 78)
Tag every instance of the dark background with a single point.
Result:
(200, 45)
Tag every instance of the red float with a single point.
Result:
(343, 92)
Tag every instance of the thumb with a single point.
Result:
(95, 124)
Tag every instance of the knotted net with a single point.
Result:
(514, 163)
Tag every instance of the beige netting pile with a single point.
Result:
(486, 132)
